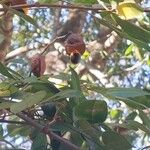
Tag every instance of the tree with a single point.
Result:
(101, 103)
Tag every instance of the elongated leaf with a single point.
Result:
(28, 101)
(94, 111)
(127, 35)
(64, 94)
(48, 87)
(128, 51)
(5, 72)
(145, 118)
(135, 102)
(75, 84)
(5, 105)
(126, 92)
(129, 10)
(39, 140)
(23, 16)
(115, 141)
(1, 132)
(6, 89)
(48, 1)
(93, 134)
(144, 100)
(131, 103)
(134, 125)
(75, 81)
(131, 116)
(15, 73)
(62, 76)
(86, 1)
(14, 129)
(132, 30)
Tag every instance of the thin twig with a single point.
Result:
(45, 130)
(59, 38)
(7, 142)
(146, 148)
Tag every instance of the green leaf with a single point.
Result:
(64, 94)
(14, 129)
(62, 76)
(28, 101)
(75, 81)
(93, 111)
(132, 30)
(5, 72)
(14, 73)
(89, 132)
(86, 1)
(115, 141)
(145, 118)
(129, 10)
(39, 140)
(23, 16)
(131, 116)
(115, 113)
(128, 51)
(38, 85)
(75, 84)
(134, 125)
(48, 1)
(144, 100)
(126, 92)
(133, 102)
(1, 132)
(5, 105)
(6, 89)
(113, 26)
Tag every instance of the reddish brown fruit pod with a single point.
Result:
(38, 65)
(74, 44)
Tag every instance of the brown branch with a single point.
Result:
(41, 6)
(48, 132)
(37, 6)
(6, 28)
(57, 39)
(16, 52)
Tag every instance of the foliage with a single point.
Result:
(89, 114)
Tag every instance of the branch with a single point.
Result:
(37, 6)
(17, 52)
(57, 39)
(7, 142)
(41, 6)
(48, 132)
(146, 148)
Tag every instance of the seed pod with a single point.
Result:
(75, 57)
(74, 45)
(38, 65)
